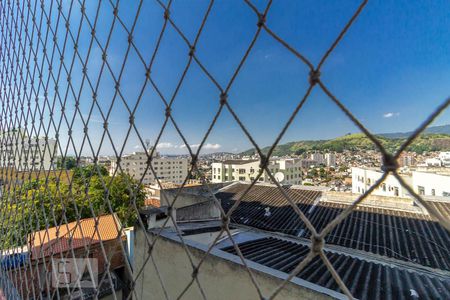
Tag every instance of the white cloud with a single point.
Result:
(137, 147)
(211, 146)
(207, 146)
(166, 145)
(391, 114)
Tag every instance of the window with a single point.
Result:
(241, 171)
(396, 191)
(433, 192)
(421, 190)
(241, 178)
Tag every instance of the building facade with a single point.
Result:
(318, 158)
(167, 169)
(431, 183)
(24, 153)
(445, 158)
(285, 171)
(364, 178)
(330, 159)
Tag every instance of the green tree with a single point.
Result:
(66, 163)
(91, 191)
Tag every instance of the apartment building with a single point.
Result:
(285, 171)
(319, 158)
(167, 169)
(431, 183)
(407, 160)
(330, 159)
(24, 153)
(434, 182)
(364, 178)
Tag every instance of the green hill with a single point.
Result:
(359, 142)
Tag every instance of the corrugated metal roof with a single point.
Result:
(365, 279)
(442, 207)
(393, 233)
(74, 235)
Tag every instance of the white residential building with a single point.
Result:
(406, 160)
(285, 171)
(318, 157)
(24, 153)
(433, 162)
(431, 183)
(330, 159)
(167, 169)
(445, 158)
(364, 178)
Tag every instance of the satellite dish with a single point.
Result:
(279, 176)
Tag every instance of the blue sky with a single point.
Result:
(391, 70)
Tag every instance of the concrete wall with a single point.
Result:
(219, 278)
(189, 195)
(199, 211)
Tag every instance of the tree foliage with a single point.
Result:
(90, 192)
(66, 163)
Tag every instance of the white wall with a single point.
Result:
(424, 183)
(291, 169)
(363, 179)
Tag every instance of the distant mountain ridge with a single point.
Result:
(435, 138)
(442, 129)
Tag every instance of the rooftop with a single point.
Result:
(404, 235)
(367, 276)
(239, 161)
(74, 235)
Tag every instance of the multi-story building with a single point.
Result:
(167, 169)
(24, 153)
(285, 171)
(406, 160)
(433, 162)
(445, 158)
(330, 159)
(364, 178)
(433, 183)
(307, 163)
(318, 157)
